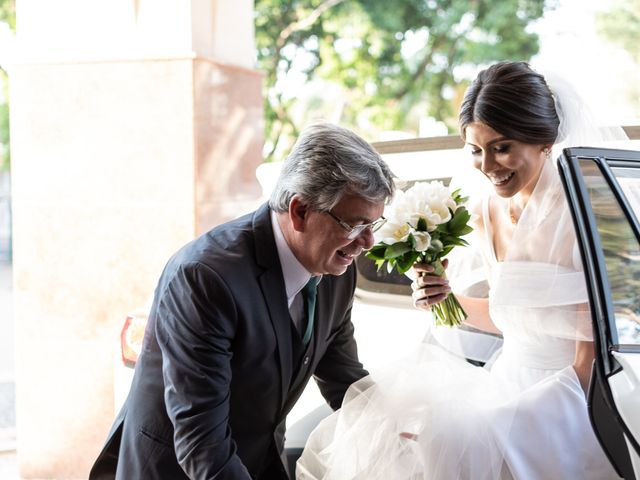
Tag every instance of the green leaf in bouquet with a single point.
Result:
(422, 225)
(456, 241)
(397, 249)
(377, 252)
(406, 261)
(380, 263)
(466, 230)
(443, 227)
(412, 241)
(458, 198)
(459, 221)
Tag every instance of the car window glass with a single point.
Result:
(620, 245)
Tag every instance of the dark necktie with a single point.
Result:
(309, 292)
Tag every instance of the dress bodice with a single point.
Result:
(540, 308)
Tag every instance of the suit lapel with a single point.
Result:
(273, 289)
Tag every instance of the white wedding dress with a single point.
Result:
(523, 416)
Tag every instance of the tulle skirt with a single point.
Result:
(435, 416)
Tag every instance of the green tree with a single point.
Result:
(8, 16)
(8, 13)
(620, 25)
(390, 62)
(5, 156)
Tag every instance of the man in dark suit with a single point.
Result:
(233, 337)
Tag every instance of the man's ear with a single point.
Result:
(298, 212)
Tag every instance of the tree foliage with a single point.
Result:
(621, 26)
(8, 16)
(379, 65)
(4, 125)
(8, 13)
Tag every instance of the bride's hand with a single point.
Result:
(428, 289)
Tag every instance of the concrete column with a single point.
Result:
(136, 125)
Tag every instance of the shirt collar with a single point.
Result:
(295, 275)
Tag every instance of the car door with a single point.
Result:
(603, 191)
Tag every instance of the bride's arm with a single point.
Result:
(584, 362)
(478, 313)
(585, 352)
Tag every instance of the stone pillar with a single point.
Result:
(135, 125)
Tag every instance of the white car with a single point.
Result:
(603, 190)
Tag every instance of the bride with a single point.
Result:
(523, 415)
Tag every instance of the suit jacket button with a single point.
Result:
(306, 360)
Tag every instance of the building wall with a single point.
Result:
(119, 156)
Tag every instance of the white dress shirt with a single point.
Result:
(295, 275)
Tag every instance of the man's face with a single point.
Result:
(325, 244)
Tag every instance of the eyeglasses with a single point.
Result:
(355, 230)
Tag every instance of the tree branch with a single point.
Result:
(420, 70)
(275, 139)
(283, 119)
(305, 22)
(427, 59)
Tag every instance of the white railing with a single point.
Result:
(452, 142)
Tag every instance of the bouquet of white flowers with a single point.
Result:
(423, 224)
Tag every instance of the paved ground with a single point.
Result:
(8, 464)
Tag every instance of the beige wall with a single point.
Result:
(228, 141)
(116, 162)
(116, 29)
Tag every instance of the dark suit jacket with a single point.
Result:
(212, 385)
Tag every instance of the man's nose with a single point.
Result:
(366, 238)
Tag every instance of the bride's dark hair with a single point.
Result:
(514, 100)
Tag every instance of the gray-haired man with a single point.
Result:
(233, 338)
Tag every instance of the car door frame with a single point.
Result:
(605, 416)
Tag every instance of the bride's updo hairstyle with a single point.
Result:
(514, 100)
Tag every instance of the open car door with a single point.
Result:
(603, 191)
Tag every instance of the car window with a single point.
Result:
(620, 245)
(381, 281)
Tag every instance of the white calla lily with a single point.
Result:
(423, 241)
